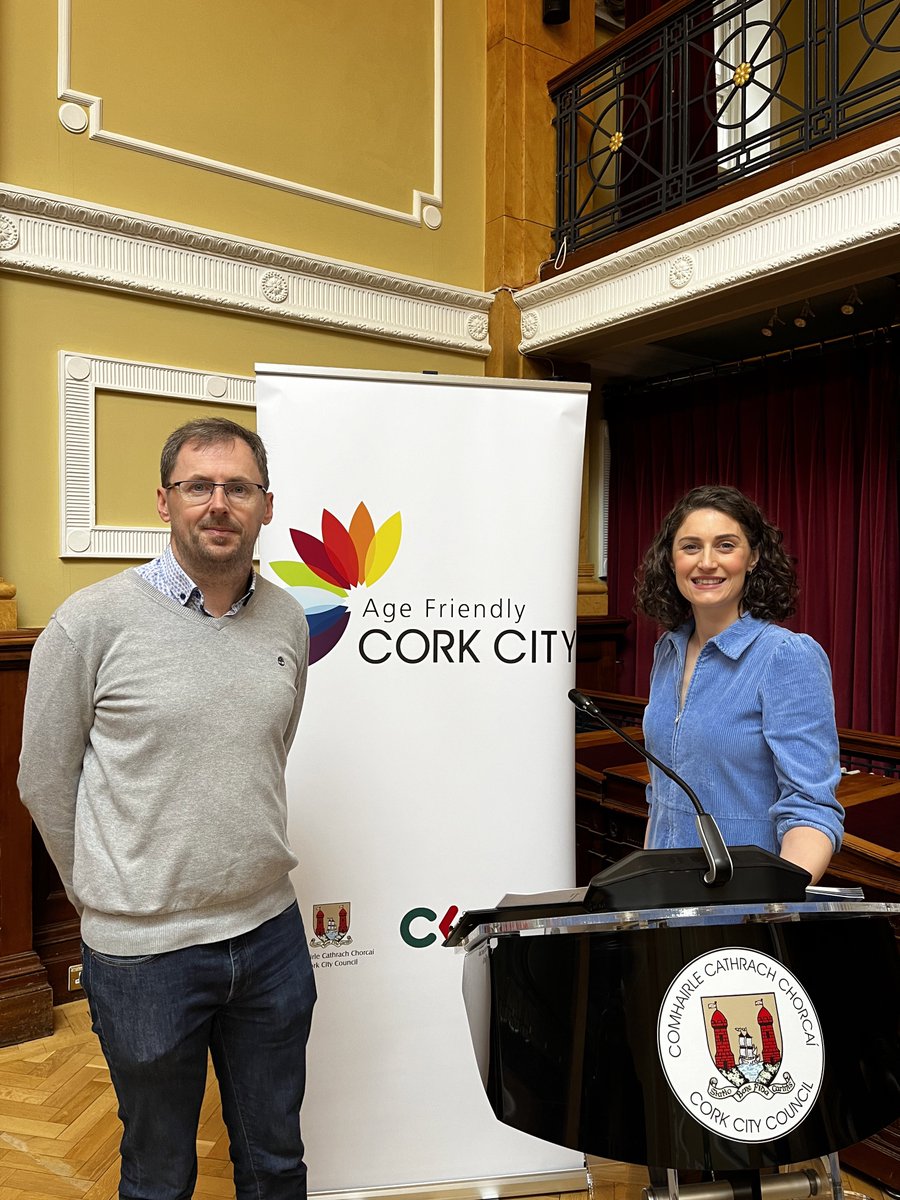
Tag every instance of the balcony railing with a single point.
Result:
(706, 93)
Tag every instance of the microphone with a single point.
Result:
(654, 879)
(718, 858)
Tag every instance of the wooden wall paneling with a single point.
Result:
(26, 999)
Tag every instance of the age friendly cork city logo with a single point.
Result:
(331, 567)
(331, 924)
(741, 1045)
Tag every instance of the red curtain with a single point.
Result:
(815, 443)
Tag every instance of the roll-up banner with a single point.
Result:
(429, 527)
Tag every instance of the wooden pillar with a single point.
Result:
(26, 999)
(520, 203)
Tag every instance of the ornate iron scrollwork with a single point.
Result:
(720, 89)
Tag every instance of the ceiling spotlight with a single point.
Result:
(768, 330)
(850, 305)
(803, 315)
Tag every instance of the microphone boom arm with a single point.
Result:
(721, 868)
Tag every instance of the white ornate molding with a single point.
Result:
(80, 376)
(425, 205)
(62, 238)
(847, 205)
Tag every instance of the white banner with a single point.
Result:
(429, 526)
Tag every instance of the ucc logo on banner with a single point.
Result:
(422, 918)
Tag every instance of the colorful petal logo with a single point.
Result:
(342, 560)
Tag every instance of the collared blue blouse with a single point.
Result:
(756, 738)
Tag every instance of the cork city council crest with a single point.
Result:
(331, 924)
(741, 1045)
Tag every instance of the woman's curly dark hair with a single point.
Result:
(770, 590)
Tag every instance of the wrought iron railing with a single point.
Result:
(709, 93)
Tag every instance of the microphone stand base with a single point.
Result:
(674, 879)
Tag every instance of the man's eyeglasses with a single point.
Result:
(199, 491)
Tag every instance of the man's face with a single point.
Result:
(219, 534)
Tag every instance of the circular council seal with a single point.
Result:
(741, 1045)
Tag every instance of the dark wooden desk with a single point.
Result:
(869, 856)
(854, 791)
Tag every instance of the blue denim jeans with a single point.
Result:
(248, 1001)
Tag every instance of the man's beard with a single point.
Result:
(196, 550)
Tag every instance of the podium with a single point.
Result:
(722, 1038)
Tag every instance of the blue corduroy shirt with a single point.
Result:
(756, 738)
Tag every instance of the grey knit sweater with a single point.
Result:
(153, 761)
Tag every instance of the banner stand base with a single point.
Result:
(550, 1183)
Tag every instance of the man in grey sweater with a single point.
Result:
(161, 706)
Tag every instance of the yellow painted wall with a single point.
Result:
(339, 95)
(38, 319)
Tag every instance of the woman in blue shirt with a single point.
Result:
(741, 708)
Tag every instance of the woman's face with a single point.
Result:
(711, 556)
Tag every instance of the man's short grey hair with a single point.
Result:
(210, 431)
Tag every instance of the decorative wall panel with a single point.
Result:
(425, 203)
(80, 377)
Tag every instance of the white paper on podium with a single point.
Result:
(433, 769)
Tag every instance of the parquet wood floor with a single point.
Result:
(59, 1132)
